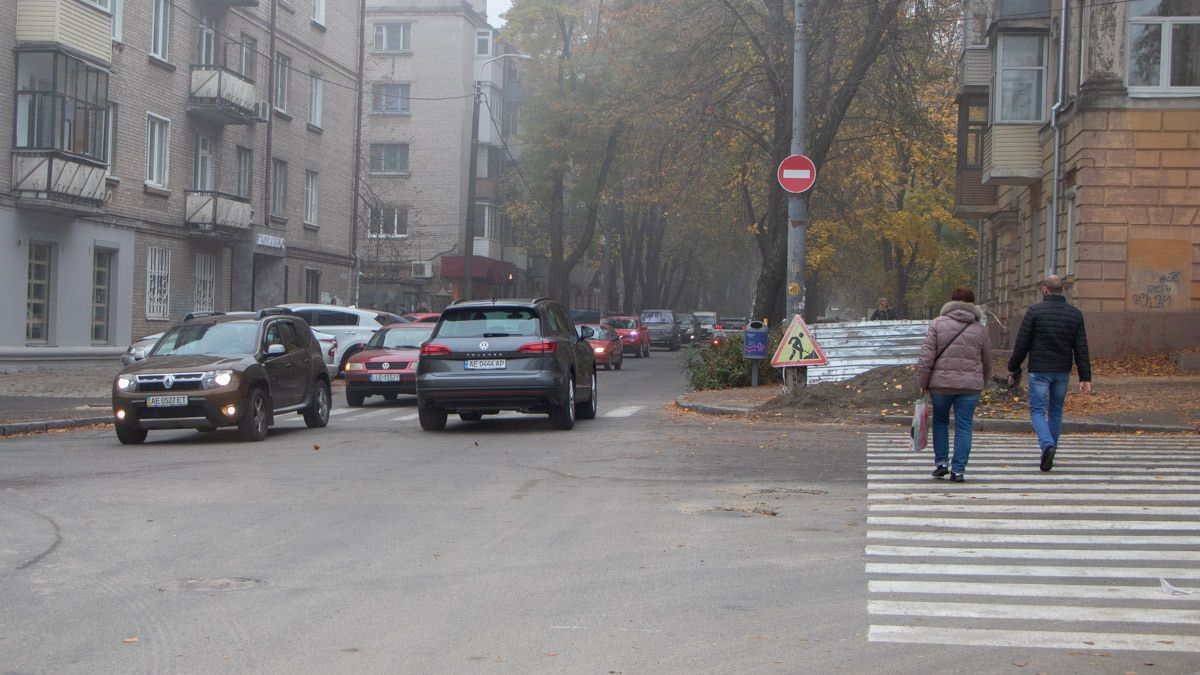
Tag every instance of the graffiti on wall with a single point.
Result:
(1158, 295)
(1159, 275)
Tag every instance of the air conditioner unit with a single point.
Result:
(422, 270)
(262, 110)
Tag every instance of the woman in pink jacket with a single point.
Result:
(955, 366)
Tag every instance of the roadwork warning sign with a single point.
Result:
(798, 348)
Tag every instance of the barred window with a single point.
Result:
(206, 283)
(158, 283)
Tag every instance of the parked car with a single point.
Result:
(727, 325)
(606, 346)
(351, 326)
(663, 326)
(491, 355)
(218, 371)
(687, 328)
(387, 366)
(635, 337)
(705, 321)
(422, 317)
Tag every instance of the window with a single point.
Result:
(160, 28)
(62, 104)
(389, 98)
(1022, 9)
(110, 154)
(975, 23)
(102, 266)
(483, 43)
(483, 220)
(316, 99)
(973, 122)
(37, 294)
(279, 188)
(310, 197)
(312, 286)
(1021, 77)
(318, 12)
(206, 283)
(283, 73)
(245, 168)
(206, 42)
(392, 37)
(158, 151)
(105, 5)
(158, 283)
(1164, 47)
(389, 157)
(203, 170)
(1069, 244)
(248, 57)
(388, 222)
(118, 14)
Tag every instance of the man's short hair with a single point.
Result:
(1053, 283)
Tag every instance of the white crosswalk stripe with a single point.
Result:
(967, 563)
(623, 411)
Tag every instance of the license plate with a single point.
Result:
(486, 364)
(385, 377)
(166, 401)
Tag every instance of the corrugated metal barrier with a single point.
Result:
(854, 347)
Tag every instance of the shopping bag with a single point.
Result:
(920, 424)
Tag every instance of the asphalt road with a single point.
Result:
(645, 541)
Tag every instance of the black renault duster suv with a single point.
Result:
(490, 355)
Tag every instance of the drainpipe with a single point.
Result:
(358, 124)
(1052, 238)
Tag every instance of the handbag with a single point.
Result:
(920, 424)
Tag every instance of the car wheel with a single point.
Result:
(587, 411)
(317, 414)
(253, 425)
(130, 436)
(354, 399)
(470, 416)
(563, 416)
(432, 419)
(389, 397)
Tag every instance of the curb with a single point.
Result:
(682, 402)
(12, 428)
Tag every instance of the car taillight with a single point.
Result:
(718, 326)
(543, 347)
(434, 350)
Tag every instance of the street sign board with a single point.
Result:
(798, 348)
(797, 173)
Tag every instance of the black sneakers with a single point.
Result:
(1048, 458)
(956, 478)
(940, 471)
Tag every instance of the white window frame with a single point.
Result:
(203, 169)
(158, 150)
(206, 283)
(378, 97)
(381, 32)
(206, 36)
(312, 189)
(483, 35)
(283, 70)
(379, 226)
(245, 172)
(316, 99)
(488, 225)
(390, 172)
(998, 88)
(318, 12)
(1166, 25)
(160, 29)
(102, 5)
(279, 178)
(248, 57)
(158, 283)
(118, 16)
(47, 302)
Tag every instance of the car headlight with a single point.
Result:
(633, 333)
(356, 365)
(126, 383)
(218, 378)
(599, 350)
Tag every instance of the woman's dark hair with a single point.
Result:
(963, 295)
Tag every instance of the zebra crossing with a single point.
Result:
(1103, 552)
(392, 414)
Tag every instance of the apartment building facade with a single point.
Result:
(170, 156)
(423, 61)
(1079, 155)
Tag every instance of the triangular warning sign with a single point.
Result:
(798, 348)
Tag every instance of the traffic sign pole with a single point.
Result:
(797, 203)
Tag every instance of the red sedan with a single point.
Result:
(606, 346)
(387, 365)
(423, 317)
(634, 335)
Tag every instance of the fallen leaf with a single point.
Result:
(130, 641)
(316, 447)
(551, 653)
(899, 386)
(1020, 664)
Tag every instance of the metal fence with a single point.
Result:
(853, 348)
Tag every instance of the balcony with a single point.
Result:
(973, 199)
(1012, 154)
(211, 213)
(974, 69)
(54, 181)
(221, 96)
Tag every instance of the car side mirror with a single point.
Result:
(139, 353)
(276, 350)
(586, 333)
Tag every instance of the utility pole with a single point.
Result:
(472, 167)
(797, 203)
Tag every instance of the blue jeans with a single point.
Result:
(964, 413)
(1047, 391)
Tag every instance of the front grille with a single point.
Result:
(391, 365)
(178, 382)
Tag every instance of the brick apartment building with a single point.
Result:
(423, 59)
(169, 156)
(1100, 184)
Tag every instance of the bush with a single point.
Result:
(724, 366)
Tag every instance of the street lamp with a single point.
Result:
(473, 165)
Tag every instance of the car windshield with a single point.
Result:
(230, 338)
(400, 338)
(621, 323)
(488, 322)
(656, 317)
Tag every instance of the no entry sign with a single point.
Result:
(797, 173)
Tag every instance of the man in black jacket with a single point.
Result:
(1052, 335)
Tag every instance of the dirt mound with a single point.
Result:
(884, 390)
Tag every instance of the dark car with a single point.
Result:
(219, 371)
(491, 355)
(687, 328)
(387, 366)
(663, 326)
